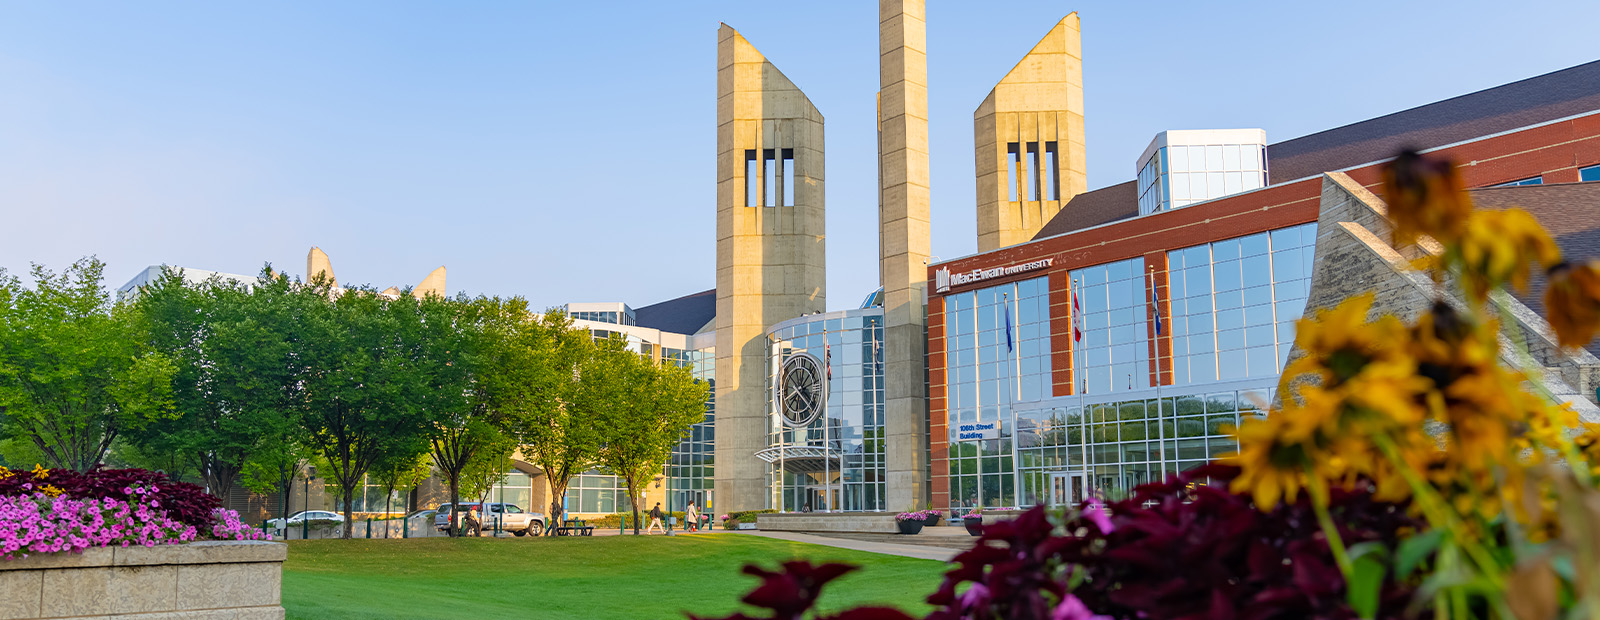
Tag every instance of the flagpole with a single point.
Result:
(1161, 405)
(1016, 396)
(827, 452)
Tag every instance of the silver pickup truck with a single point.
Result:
(510, 518)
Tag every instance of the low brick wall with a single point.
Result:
(880, 522)
(204, 580)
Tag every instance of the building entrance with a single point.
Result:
(1068, 488)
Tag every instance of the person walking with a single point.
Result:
(473, 525)
(655, 520)
(691, 518)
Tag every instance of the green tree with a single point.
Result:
(644, 409)
(466, 343)
(401, 472)
(366, 375)
(540, 372)
(75, 374)
(238, 373)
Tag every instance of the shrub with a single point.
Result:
(43, 511)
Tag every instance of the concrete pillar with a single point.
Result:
(769, 249)
(1034, 115)
(904, 242)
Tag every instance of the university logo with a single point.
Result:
(941, 280)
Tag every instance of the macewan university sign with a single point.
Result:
(943, 280)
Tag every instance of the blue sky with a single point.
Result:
(565, 151)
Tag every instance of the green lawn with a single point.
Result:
(555, 578)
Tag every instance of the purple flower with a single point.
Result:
(1073, 609)
(1095, 512)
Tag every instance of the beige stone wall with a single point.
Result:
(874, 522)
(1039, 102)
(171, 582)
(770, 257)
(904, 244)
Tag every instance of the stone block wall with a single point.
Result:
(204, 580)
(873, 522)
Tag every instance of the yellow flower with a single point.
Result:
(50, 490)
(40, 472)
(1573, 302)
(1497, 247)
(1339, 342)
(1425, 198)
(1270, 469)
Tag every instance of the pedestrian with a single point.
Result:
(474, 525)
(691, 518)
(655, 520)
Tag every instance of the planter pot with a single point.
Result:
(933, 519)
(909, 527)
(974, 525)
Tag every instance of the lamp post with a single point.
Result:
(305, 521)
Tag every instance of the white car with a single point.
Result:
(306, 515)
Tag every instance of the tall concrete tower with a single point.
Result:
(904, 241)
(1029, 136)
(769, 247)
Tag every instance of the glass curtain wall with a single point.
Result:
(1115, 352)
(691, 470)
(1121, 444)
(986, 378)
(851, 475)
(1234, 304)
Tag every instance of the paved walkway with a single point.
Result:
(910, 551)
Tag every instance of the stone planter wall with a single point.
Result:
(204, 580)
(880, 522)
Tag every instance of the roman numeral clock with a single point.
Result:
(802, 389)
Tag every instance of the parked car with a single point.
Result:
(307, 515)
(511, 518)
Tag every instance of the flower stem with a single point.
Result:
(1319, 503)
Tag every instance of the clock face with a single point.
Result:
(800, 389)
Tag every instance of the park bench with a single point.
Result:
(575, 527)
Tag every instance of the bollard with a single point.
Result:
(405, 528)
(369, 527)
(624, 528)
(305, 528)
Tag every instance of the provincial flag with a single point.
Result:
(1155, 302)
(1005, 305)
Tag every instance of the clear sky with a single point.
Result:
(564, 151)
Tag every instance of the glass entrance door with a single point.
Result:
(1068, 489)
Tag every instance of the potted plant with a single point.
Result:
(974, 521)
(933, 515)
(911, 522)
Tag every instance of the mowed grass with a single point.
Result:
(572, 577)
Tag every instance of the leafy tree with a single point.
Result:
(75, 374)
(238, 373)
(367, 372)
(465, 341)
(401, 472)
(540, 372)
(644, 408)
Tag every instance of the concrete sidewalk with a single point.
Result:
(910, 551)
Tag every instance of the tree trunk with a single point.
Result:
(633, 500)
(455, 504)
(557, 494)
(349, 511)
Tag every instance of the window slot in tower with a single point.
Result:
(1052, 184)
(752, 195)
(1012, 154)
(788, 177)
(1032, 187)
(769, 176)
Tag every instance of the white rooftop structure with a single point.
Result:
(1185, 166)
